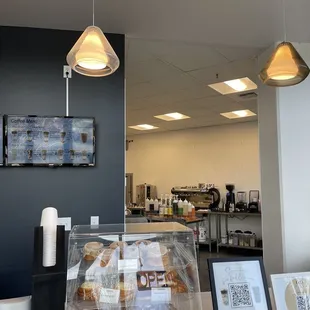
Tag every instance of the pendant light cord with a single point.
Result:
(93, 12)
(284, 20)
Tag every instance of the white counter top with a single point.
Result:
(24, 303)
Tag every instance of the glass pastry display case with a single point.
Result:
(133, 266)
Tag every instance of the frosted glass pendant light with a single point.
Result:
(93, 55)
(285, 67)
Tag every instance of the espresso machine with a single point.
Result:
(241, 205)
(253, 201)
(230, 196)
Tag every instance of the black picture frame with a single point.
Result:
(211, 263)
(6, 149)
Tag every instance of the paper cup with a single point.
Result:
(49, 217)
(49, 220)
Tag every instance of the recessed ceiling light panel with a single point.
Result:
(234, 86)
(238, 114)
(143, 127)
(175, 116)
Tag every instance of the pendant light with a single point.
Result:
(92, 54)
(285, 67)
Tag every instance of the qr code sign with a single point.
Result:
(303, 302)
(240, 295)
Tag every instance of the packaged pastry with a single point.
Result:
(118, 244)
(92, 250)
(127, 291)
(179, 287)
(106, 257)
(171, 275)
(89, 291)
(145, 242)
(157, 255)
(131, 252)
(191, 271)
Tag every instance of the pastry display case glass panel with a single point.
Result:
(133, 266)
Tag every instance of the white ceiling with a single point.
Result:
(164, 77)
(176, 47)
(231, 22)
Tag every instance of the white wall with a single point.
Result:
(220, 154)
(294, 128)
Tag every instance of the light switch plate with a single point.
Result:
(65, 221)
(94, 220)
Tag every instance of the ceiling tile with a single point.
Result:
(206, 102)
(229, 71)
(136, 51)
(250, 105)
(187, 94)
(187, 57)
(194, 113)
(237, 53)
(222, 108)
(141, 90)
(151, 70)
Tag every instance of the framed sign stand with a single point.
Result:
(239, 283)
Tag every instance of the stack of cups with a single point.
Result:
(49, 220)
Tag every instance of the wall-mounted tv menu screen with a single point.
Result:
(47, 140)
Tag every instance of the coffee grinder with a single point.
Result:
(230, 196)
(254, 201)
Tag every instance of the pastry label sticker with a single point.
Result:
(73, 272)
(127, 265)
(162, 294)
(109, 296)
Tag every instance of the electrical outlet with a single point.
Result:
(67, 72)
(65, 221)
(94, 220)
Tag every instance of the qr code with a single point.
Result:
(303, 302)
(240, 295)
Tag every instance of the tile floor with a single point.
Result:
(205, 254)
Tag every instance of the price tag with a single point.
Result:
(109, 296)
(73, 272)
(128, 265)
(162, 294)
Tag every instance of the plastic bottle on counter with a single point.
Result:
(189, 209)
(180, 207)
(147, 205)
(193, 211)
(185, 208)
(166, 211)
(171, 200)
(170, 211)
(161, 200)
(166, 205)
(161, 206)
(161, 210)
(156, 204)
(151, 205)
(175, 205)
